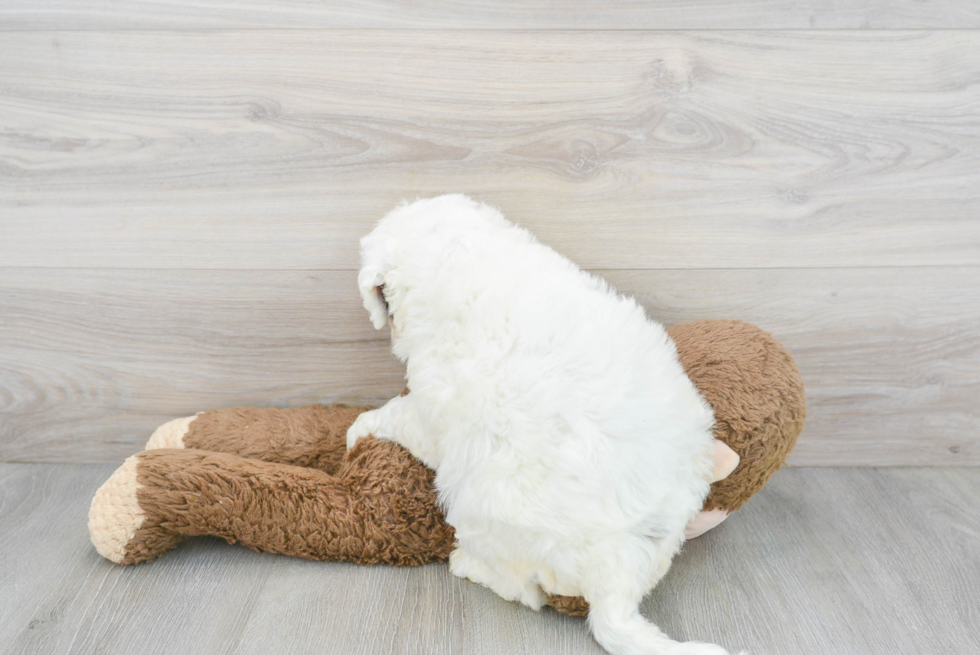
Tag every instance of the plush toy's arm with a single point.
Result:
(313, 436)
(381, 509)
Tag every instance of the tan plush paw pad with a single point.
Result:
(115, 514)
(703, 522)
(170, 434)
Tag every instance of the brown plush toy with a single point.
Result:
(282, 480)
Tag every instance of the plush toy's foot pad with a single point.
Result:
(170, 434)
(118, 526)
(703, 522)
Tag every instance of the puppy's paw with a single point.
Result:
(170, 434)
(463, 565)
(532, 596)
(365, 425)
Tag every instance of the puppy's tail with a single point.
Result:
(621, 630)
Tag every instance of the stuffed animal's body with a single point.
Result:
(283, 481)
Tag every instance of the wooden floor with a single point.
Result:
(822, 561)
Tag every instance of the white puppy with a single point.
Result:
(570, 448)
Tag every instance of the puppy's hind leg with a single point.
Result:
(508, 584)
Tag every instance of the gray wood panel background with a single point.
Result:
(94, 359)
(277, 149)
(179, 208)
(491, 14)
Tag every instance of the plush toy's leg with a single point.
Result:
(380, 509)
(118, 525)
(312, 436)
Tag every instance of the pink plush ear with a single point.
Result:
(726, 460)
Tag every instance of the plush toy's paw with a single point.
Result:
(115, 514)
(703, 522)
(117, 524)
(170, 434)
(366, 424)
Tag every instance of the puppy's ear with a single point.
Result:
(369, 282)
(377, 250)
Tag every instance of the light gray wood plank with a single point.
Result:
(890, 357)
(40, 542)
(340, 613)
(821, 561)
(92, 360)
(481, 14)
(71, 597)
(277, 149)
(838, 561)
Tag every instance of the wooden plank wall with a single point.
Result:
(490, 14)
(182, 187)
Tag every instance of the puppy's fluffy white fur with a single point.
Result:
(570, 448)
